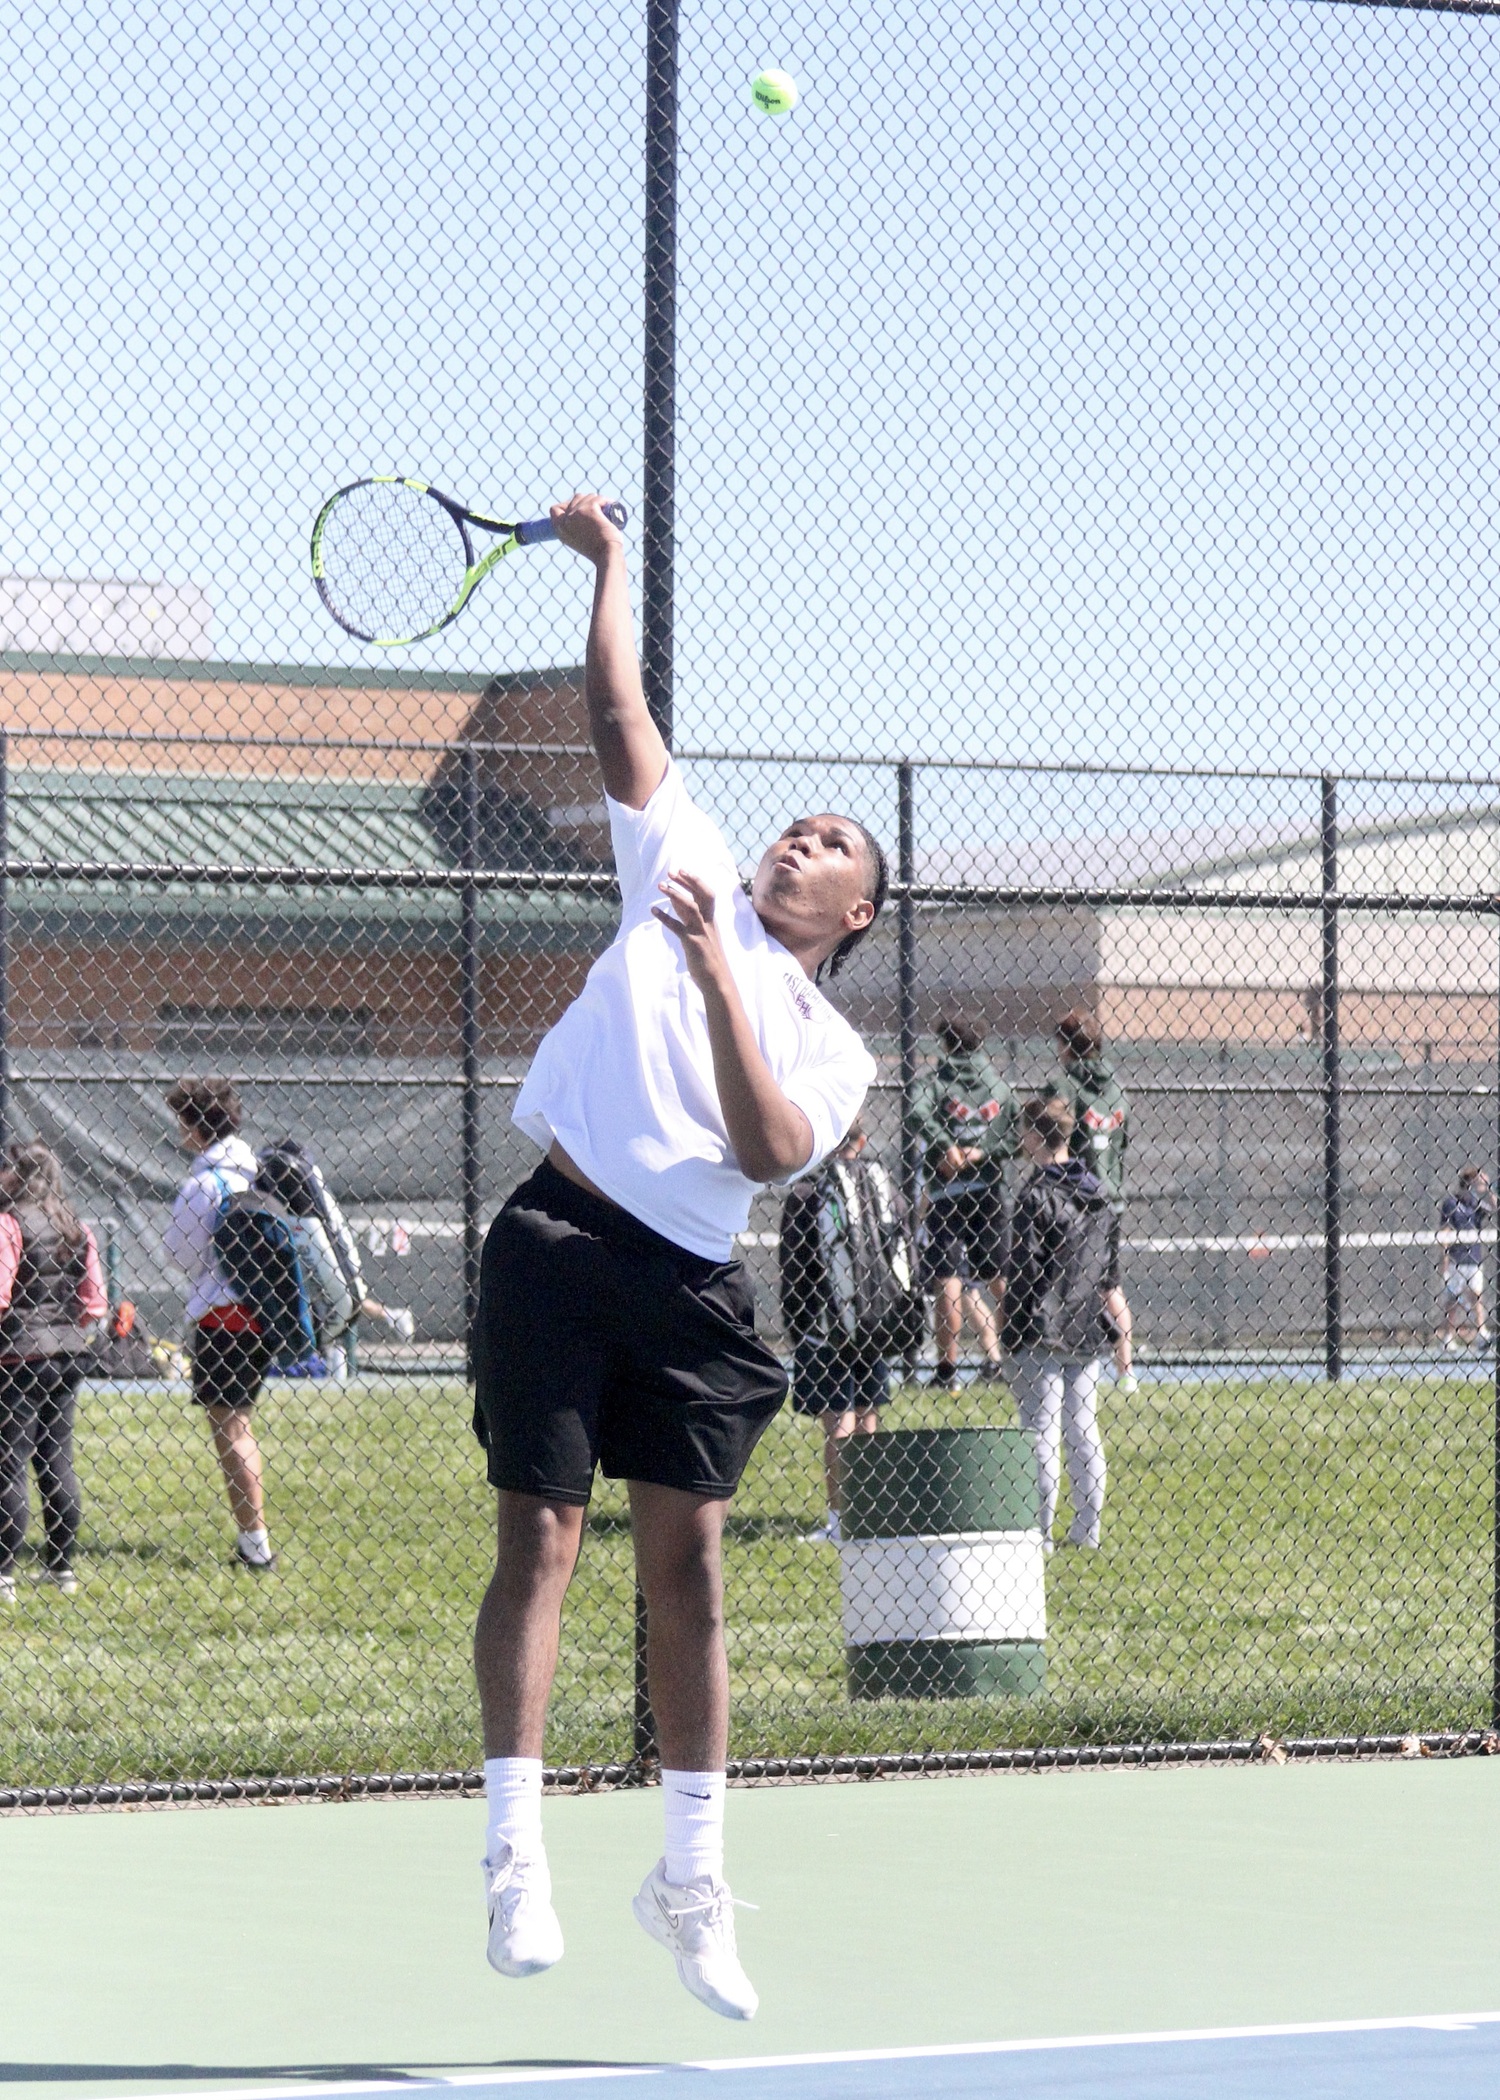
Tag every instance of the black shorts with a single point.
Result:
(598, 1342)
(965, 1236)
(227, 1367)
(828, 1379)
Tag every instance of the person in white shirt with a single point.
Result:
(228, 1353)
(615, 1327)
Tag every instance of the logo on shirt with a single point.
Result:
(988, 1111)
(802, 997)
(1095, 1119)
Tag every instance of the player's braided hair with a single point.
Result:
(879, 890)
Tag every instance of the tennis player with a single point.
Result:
(615, 1326)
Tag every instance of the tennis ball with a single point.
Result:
(773, 92)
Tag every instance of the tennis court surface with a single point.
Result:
(1307, 1930)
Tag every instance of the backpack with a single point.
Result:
(291, 1174)
(847, 1261)
(253, 1245)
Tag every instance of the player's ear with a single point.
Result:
(858, 916)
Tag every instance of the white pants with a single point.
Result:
(1056, 1401)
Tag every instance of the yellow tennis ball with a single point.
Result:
(773, 92)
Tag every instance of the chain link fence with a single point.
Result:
(1066, 445)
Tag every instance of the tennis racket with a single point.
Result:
(394, 562)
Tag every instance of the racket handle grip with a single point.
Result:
(535, 530)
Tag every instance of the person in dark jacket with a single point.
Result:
(1056, 1275)
(1101, 1135)
(51, 1292)
(966, 1118)
(846, 1274)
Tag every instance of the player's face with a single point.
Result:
(814, 883)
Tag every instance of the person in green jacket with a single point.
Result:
(1101, 1133)
(968, 1120)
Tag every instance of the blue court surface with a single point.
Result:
(1381, 2060)
(1225, 1935)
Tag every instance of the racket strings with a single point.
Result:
(394, 561)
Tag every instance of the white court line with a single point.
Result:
(1439, 2023)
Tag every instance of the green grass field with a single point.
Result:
(1285, 1556)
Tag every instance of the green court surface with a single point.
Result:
(177, 1951)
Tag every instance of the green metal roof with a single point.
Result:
(211, 820)
(184, 819)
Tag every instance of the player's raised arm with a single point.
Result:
(632, 756)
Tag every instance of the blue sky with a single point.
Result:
(1061, 381)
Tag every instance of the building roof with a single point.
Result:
(165, 819)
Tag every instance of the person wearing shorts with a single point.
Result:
(615, 1326)
(1462, 1219)
(228, 1355)
(967, 1119)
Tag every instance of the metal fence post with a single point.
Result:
(659, 464)
(658, 489)
(906, 990)
(468, 1007)
(1333, 1191)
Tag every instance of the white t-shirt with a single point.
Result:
(625, 1081)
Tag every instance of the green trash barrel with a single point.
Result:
(941, 1565)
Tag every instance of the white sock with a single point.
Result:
(513, 1802)
(694, 1804)
(255, 1545)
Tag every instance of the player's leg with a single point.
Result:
(678, 1559)
(228, 1368)
(947, 1327)
(982, 1320)
(986, 1252)
(520, 1620)
(685, 1903)
(238, 1453)
(1038, 1384)
(52, 1461)
(838, 1427)
(539, 1369)
(1117, 1309)
(1452, 1308)
(1085, 1451)
(17, 1428)
(695, 1389)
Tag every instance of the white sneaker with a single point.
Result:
(695, 1923)
(7, 1589)
(61, 1579)
(1452, 1344)
(828, 1533)
(1127, 1383)
(525, 1937)
(401, 1323)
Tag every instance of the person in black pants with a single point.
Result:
(51, 1291)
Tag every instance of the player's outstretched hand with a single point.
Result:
(694, 926)
(582, 525)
